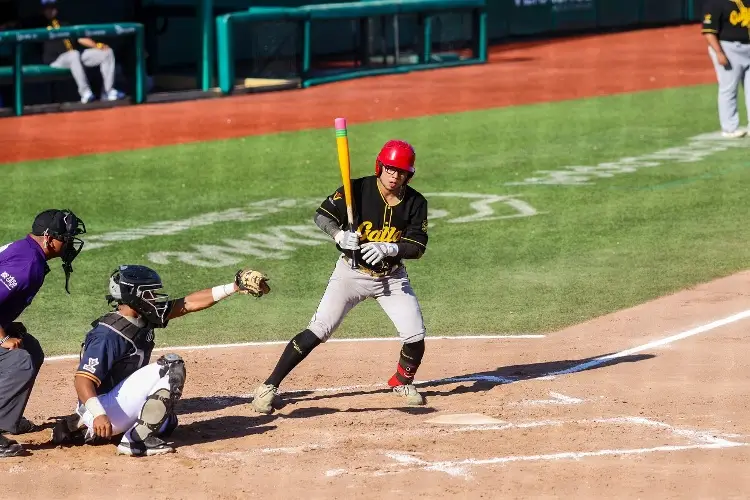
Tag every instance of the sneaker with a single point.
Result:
(9, 447)
(413, 397)
(87, 97)
(113, 95)
(264, 397)
(149, 447)
(734, 135)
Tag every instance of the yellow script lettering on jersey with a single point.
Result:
(385, 235)
(742, 17)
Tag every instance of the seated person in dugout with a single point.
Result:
(65, 53)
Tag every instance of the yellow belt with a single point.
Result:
(374, 274)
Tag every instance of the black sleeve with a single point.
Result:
(711, 17)
(334, 207)
(414, 239)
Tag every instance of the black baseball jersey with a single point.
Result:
(51, 49)
(376, 221)
(728, 19)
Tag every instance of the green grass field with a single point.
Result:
(591, 249)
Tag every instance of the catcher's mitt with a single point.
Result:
(252, 282)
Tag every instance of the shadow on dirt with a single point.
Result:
(219, 428)
(484, 381)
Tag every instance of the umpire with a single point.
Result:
(23, 267)
(725, 29)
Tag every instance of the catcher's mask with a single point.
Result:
(65, 226)
(136, 286)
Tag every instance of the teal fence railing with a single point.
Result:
(17, 38)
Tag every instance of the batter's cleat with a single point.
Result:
(413, 397)
(149, 447)
(264, 397)
(9, 447)
(734, 135)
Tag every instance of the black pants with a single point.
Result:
(18, 371)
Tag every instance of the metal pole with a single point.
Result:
(306, 41)
(395, 41)
(427, 42)
(206, 63)
(18, 78)
(140, 66)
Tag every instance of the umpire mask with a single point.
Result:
(136, 286)
(65, 226)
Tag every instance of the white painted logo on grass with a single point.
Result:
(279, 242)
(697, 149)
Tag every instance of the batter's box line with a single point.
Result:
(460, 468)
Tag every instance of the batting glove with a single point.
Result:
(347, 240)
(375, 252)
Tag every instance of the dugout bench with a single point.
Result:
(361, 12)
(18, 72)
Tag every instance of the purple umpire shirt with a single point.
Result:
(22, 271)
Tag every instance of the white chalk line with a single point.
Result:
(551, 375)
(657, 343)
(285, 342)
(458, 468)
(556, 398)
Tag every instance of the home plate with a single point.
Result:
(465, 419)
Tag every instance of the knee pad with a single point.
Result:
(173, 366)
(305, 341)
(155, 411)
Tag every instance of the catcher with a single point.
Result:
(119, 392)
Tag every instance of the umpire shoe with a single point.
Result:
(150, 446)
(24, 427)
(413, 397)
(9, 447)
(264, 397)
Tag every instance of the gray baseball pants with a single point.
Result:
(348, 287)
(18, 371)
(729, 81)
(75, 61)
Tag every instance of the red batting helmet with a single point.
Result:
(396, 154)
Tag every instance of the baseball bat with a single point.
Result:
(342, 144)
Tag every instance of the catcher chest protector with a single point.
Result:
(141, 341)
(396, 154)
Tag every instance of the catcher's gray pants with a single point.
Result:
(729, 80)
(18, 371)
(75, 61)
(348, 287)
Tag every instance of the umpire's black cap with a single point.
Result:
(52, 222)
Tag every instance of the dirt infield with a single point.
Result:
(662, 422)
(662, 416)
(527, 73)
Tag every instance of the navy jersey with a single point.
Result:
(376, 221)
(113, 350)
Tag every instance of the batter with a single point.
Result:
(391, 227)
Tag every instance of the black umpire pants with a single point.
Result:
(18, 371)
